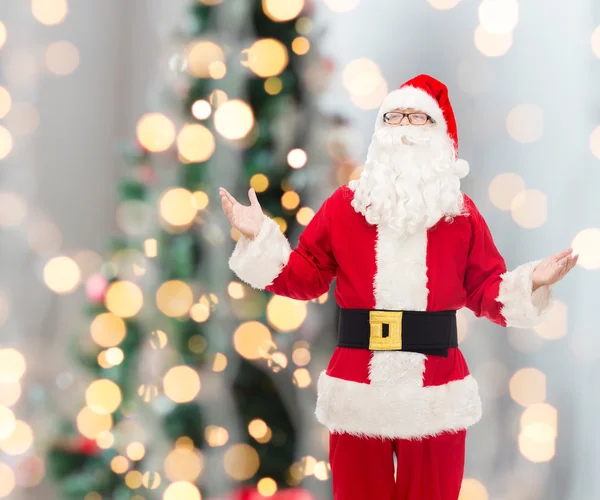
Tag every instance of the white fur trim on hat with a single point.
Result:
(411, 97)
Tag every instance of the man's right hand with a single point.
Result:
(247, 220)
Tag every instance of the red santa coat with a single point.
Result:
(452, 265)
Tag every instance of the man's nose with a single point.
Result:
(405, 121)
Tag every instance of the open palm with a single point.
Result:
(554, 268)
(247, 220)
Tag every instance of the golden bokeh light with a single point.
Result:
(594, 143)
(234, 119)
(301, 356)
(216, 436)
(183, 464)
(181, 384)
(267, 57)
(103, 396)
(370, 101)
(443, 4)
(155, 132)
(290, 200)
(49, 12)
(62, 58)
(595, 42)
(124, 298)
(529, 208)
(201, 200)
(503, 189)
(217, 98)
(542, 413)
(302, 378)
(147, 392)
(201, 56)
(321, 471)
(235, 290)
(158, 339)
(241, 462)
(220, 362)
(273, 85)
(266, 487)
(7, 480)
(12, 365)
(13, 207)
(92, 424)
(135, 451)
(3, 34)
(282, 10)
(587, 245)
(492, 45)
(285, 314)
(341, 5)
(105, 440)
(528, 386)
(174, 298)
(252, 340)
(305, 215)
(277, 361)
(217, 70)
(133, 479)
(62, 275)
(499, 17)
(555, 325)
(5, 102)
(151, 480)
(19, 441)
(472, 489)
(301, 45)
(119, 464)
(537, 443)
(197, 344)
(297, 158)
(199, 313)
(182, 490)
(177, 206)
(304, 25)
(525, 123)
(201, 109)
(281, 223)
(259, 182)
(10, 392)
(7, 422)
(108, 330)
(23, 119)
(361, 77)
(195, 143)
(257, 428)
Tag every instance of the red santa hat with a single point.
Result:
(431, 96)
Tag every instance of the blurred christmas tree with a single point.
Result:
(193, 383)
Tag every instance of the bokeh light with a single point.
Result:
(537, 443)
(147, 392)
(528, 386)
(182, 490)
(587, 244)
(301, 356)
(108, 330)
(285, 314)
(174, 298)
(220, 362)
(304, 25)
(490, 44)
(195, 143)
(217, 98)
(19, 441)
(62, 58)
(201, 109)
(200, 313)
(361, 77)
(217, 70)
(7, 480)
(158, 339)
(151, 480)
(282, 10)
(305, 215)
(13, 207)
(49, 12)
(541, 414)
(155, 132)
(290, 200)
(472, 489)
(443, 4)
(297, 158)
(216, 436)
(92, 424)
(12, 365)
(133, 480)
(119, 464)
(10, 392)
(503, 189)
(529, 208)
(7, 422)
(267, 487)
(5, 102)
(259, 182)
(62, 275)
(181, 384)
(301, 45)
(258, 428)
(302, 378)
(241, 462)
(252, 340)
(6, 142)
(273, 85)
(594, 142)
(266, 57)
(595, 42)
(30, 471)
(184, 464)
(177, 207)
(23, 119)
(103, 396)
(124, 298)
(499, 17)
(234, 119)
(341, 5)
(525, 123)
(3, 34)
(555, 325)
(105, 440)
(201, 56)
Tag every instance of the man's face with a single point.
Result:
(401, 117)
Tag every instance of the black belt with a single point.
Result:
(427, 332)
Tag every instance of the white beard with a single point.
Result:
(411, 179)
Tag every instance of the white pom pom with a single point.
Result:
(461, 168)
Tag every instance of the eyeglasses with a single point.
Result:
(395, 118)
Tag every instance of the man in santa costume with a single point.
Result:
(408, 249)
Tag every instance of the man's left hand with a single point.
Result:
(553, 269)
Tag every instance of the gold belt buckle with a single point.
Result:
(393, 342)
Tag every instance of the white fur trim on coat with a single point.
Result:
(411, 97)
(520, 307)
(389, 411)
(260, 260)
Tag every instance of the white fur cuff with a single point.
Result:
(392, 411)
(520, 307)
(259, 261)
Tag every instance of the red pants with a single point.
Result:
(428, 469)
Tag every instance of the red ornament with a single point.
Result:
(87, 446)
(95, 288)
